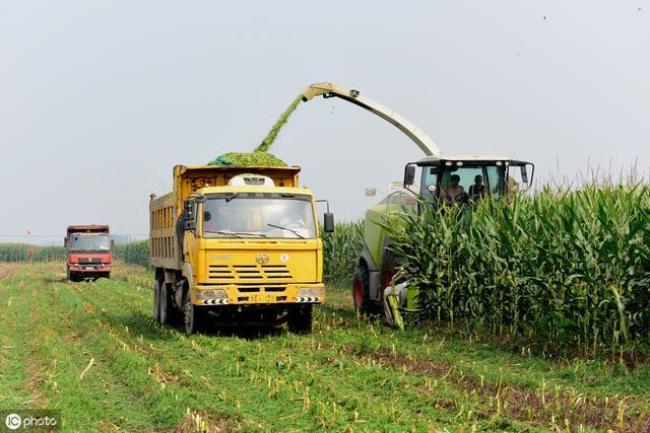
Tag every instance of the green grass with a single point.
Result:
(350, 375)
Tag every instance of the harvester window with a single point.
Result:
(477, 181)
(429, 182)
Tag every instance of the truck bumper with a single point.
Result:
(90, 269)
(233, 294)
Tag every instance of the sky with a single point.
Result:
(99, 100)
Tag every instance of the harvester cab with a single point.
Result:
(463, 179)
(432, 182)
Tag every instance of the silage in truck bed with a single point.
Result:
(249, 159)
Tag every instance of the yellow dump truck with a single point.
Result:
(236, 244)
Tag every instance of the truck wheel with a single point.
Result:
(361, 289)
(156, 301)
(72, 276)
(300, 319)
(166, 307)
(192, 316)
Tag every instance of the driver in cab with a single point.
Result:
(453, 192)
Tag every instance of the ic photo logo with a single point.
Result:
(36, 420)
(13, 421)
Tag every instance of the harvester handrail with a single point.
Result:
(423, 141)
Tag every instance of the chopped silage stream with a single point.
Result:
(260, 156)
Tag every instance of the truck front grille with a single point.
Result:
(249, 273)
(90, 261)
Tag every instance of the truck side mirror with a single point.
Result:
(188, 214)
(328, 223)
(524, 174)
(189, 222)
(409, 175)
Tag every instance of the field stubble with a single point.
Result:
(92, 350)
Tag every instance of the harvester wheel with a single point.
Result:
(361, 289)
(156, 301)
(300, 319)
(388, 271)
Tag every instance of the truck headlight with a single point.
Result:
(212, 294)
(312, 292)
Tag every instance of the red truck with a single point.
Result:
(90, 254)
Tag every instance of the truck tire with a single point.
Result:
(156, 301)
(300, 319)
(193, 316)
(73, 276)
(361, 290)
(166, 307)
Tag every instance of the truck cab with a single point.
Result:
(237, 245)
(89, 252)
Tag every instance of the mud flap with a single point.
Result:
(392, 299)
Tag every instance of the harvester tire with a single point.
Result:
(300, 319)
(361, 290)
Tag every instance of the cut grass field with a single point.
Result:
(93, 351)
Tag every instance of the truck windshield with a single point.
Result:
(87, 243)
(259, 215)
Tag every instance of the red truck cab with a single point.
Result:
(90, 254)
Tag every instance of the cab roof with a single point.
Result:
(461, 157)
(251, 188)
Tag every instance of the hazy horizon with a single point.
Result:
(99, 101)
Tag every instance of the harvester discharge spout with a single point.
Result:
(329, 90)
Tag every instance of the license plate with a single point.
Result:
(260, 299)
(89, 268)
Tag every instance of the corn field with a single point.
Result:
(555, 270)
(136, 253)
(341, 251)
(25, 252)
